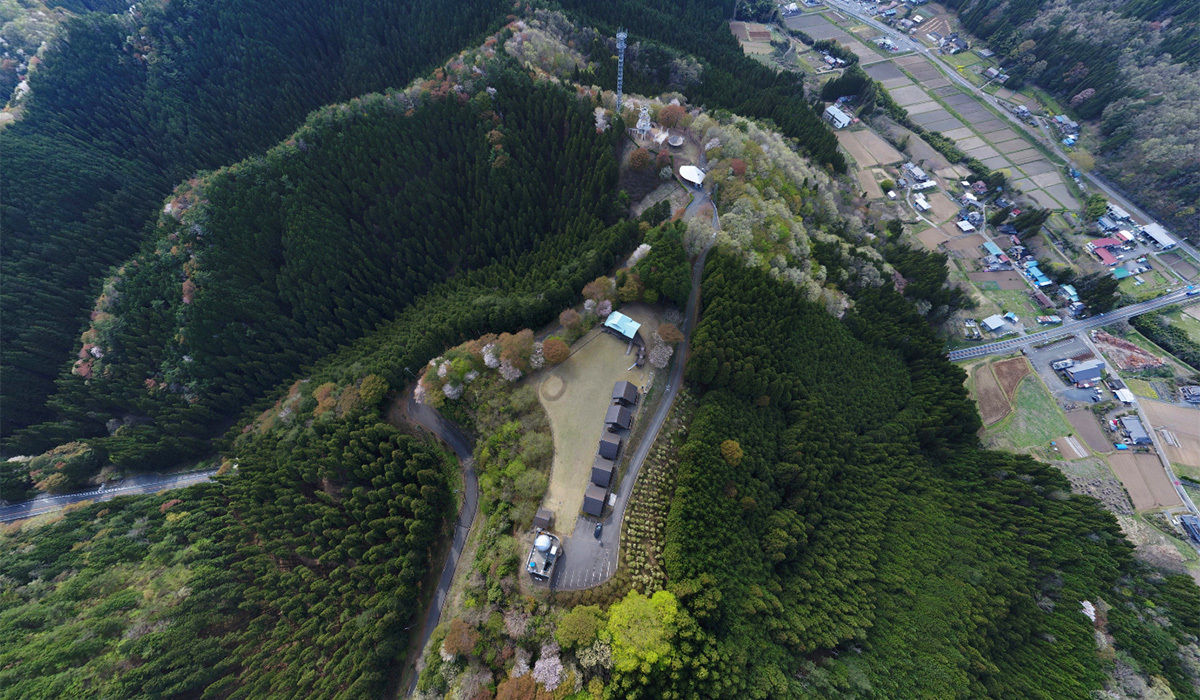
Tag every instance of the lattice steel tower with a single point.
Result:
(621, 34)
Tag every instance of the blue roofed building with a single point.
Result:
(1191, 524)
(620, 324)
(993, 249)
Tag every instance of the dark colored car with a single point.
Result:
(599, 529)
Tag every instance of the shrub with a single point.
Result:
(570, 319)
(671, 114)
(555, 350)
(640, 159)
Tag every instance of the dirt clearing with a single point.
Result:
(1124, 354)
(1085, 424)
(1145, 480)
(1070, 448)
(576, 396)
(931, 238)
(993, 406)
(1179, 428)
(1004, 280)
(869, 184)
(1009, 374)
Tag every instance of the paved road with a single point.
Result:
(429, 419)
(1070, 328)
(589, 562)
(144, 483)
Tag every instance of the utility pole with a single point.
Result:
(621, 36)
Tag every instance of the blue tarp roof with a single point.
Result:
(622, 324)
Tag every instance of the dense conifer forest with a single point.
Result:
(296, 575)
(261, 267)
(125, 107)
(831, 498)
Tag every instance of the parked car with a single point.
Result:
(599, 529)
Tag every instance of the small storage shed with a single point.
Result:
(625, 394)
(602, 471)
(618, 418)
(593, 499)
(610, 446)
(544, 519)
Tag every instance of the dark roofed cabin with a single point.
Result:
(602, 471)
(618, 418)
(544, 519)
(610, 446)
(625, 394)
(593, 499)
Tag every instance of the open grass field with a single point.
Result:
(1035, 420)
(993, 406)
(576, 395)
(1087, 427)
(1188, 321)
(1142, 388)
(1009, 374)
(1145, 480)
(1155, 283)
(1180, 432)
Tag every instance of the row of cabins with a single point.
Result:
(619, 418)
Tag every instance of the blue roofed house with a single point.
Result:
(618, 323)
(1069, 290)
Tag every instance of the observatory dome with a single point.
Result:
(542, 543)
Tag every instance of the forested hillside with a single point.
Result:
(833, 517)
(1133, 66)
(295, 575)
(260, 268)
(124, 108)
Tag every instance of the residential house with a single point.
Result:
(1137, 433)
(838, 118)
(625, 394)
(618, 418)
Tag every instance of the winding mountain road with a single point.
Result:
(141, 484)
(432, 421)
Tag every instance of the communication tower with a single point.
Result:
(621, 35)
